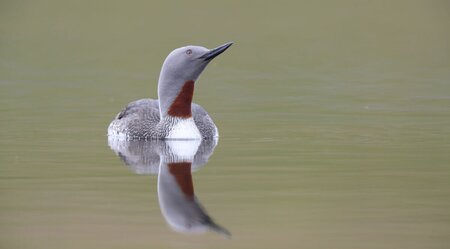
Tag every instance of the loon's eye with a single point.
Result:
(188, 51)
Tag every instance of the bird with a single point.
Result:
(172, 115)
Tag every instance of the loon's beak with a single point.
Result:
(211, 54)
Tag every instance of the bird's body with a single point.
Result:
(173, 115)
(140, 119)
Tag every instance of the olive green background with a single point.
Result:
(334, 119)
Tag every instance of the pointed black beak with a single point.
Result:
(215, 52)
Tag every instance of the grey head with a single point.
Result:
(179, 72)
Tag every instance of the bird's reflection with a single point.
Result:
(173, 161)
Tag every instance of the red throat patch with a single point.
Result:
(183, 176)
(181, 106)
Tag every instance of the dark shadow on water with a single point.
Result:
(173, 162)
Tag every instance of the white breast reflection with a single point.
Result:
(174, 162)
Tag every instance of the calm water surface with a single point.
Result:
(334, 122)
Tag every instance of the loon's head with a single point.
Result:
(179, 72)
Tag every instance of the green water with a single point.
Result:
(334, 120)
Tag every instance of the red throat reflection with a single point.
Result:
(183, 176)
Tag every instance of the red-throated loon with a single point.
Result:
(173, 115)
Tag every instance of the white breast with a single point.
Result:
(184, 129)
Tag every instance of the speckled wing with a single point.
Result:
(204, 122)
(137, 120)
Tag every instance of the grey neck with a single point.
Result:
(169, 86)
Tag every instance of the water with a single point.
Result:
(334, 121)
